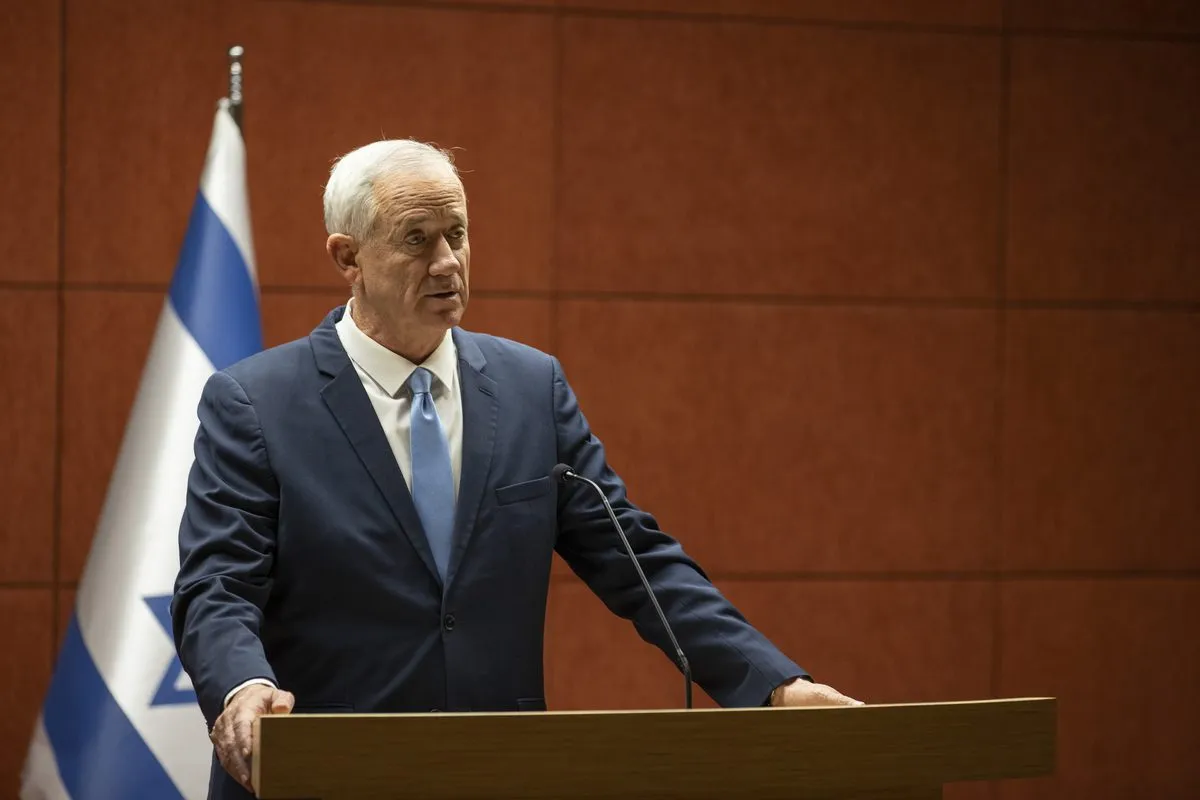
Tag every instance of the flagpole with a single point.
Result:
(235, 83)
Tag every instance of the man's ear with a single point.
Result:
(343, 250)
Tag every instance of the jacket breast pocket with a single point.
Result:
(526, 490)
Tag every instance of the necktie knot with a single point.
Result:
(420, 382)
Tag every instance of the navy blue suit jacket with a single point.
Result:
(303, 559)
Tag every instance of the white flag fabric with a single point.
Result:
(120, 719)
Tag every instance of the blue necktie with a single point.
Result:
(432, 478)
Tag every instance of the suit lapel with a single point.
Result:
(348, 402)
(480, 408)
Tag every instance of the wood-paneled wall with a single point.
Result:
(940, 258)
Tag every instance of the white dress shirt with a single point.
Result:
(383, 375)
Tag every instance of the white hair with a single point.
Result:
(350, 205)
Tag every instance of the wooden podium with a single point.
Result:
(885, 751)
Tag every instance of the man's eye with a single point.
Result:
(415, 238)
(458, 234)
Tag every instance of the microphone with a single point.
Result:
(562, 473)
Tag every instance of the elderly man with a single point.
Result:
(371, 519)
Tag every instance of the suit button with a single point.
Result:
(448, 622)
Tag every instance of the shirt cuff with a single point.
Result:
(240, 686)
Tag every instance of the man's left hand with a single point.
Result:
(806, 693)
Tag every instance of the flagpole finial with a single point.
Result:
(235, 82)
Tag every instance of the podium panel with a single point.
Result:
(882, 752)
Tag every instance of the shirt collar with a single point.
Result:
(391, 370)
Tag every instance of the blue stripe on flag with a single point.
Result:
(100, 755)
(212, 292)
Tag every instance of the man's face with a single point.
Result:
(414, 266)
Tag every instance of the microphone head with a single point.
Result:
(561, 473)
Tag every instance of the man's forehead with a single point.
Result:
(405, 188)
(414, 198)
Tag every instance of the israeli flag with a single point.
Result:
(120, 719)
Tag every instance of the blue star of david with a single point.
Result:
(168, 694)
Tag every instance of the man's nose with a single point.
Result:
(443, 261)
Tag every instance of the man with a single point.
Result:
(371, 519)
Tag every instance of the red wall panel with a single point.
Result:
(1122, 658)
(26, 628)
(30, 168)
(28, 433)
(777, 438)
(1105, 170)
(757, 159)
(1102, 449)
(1129, 17)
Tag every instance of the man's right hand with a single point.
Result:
(233, 734)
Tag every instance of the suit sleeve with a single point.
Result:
(226, 548)
(733, 662)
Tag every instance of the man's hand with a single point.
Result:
(233, 734)
(805, 693)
